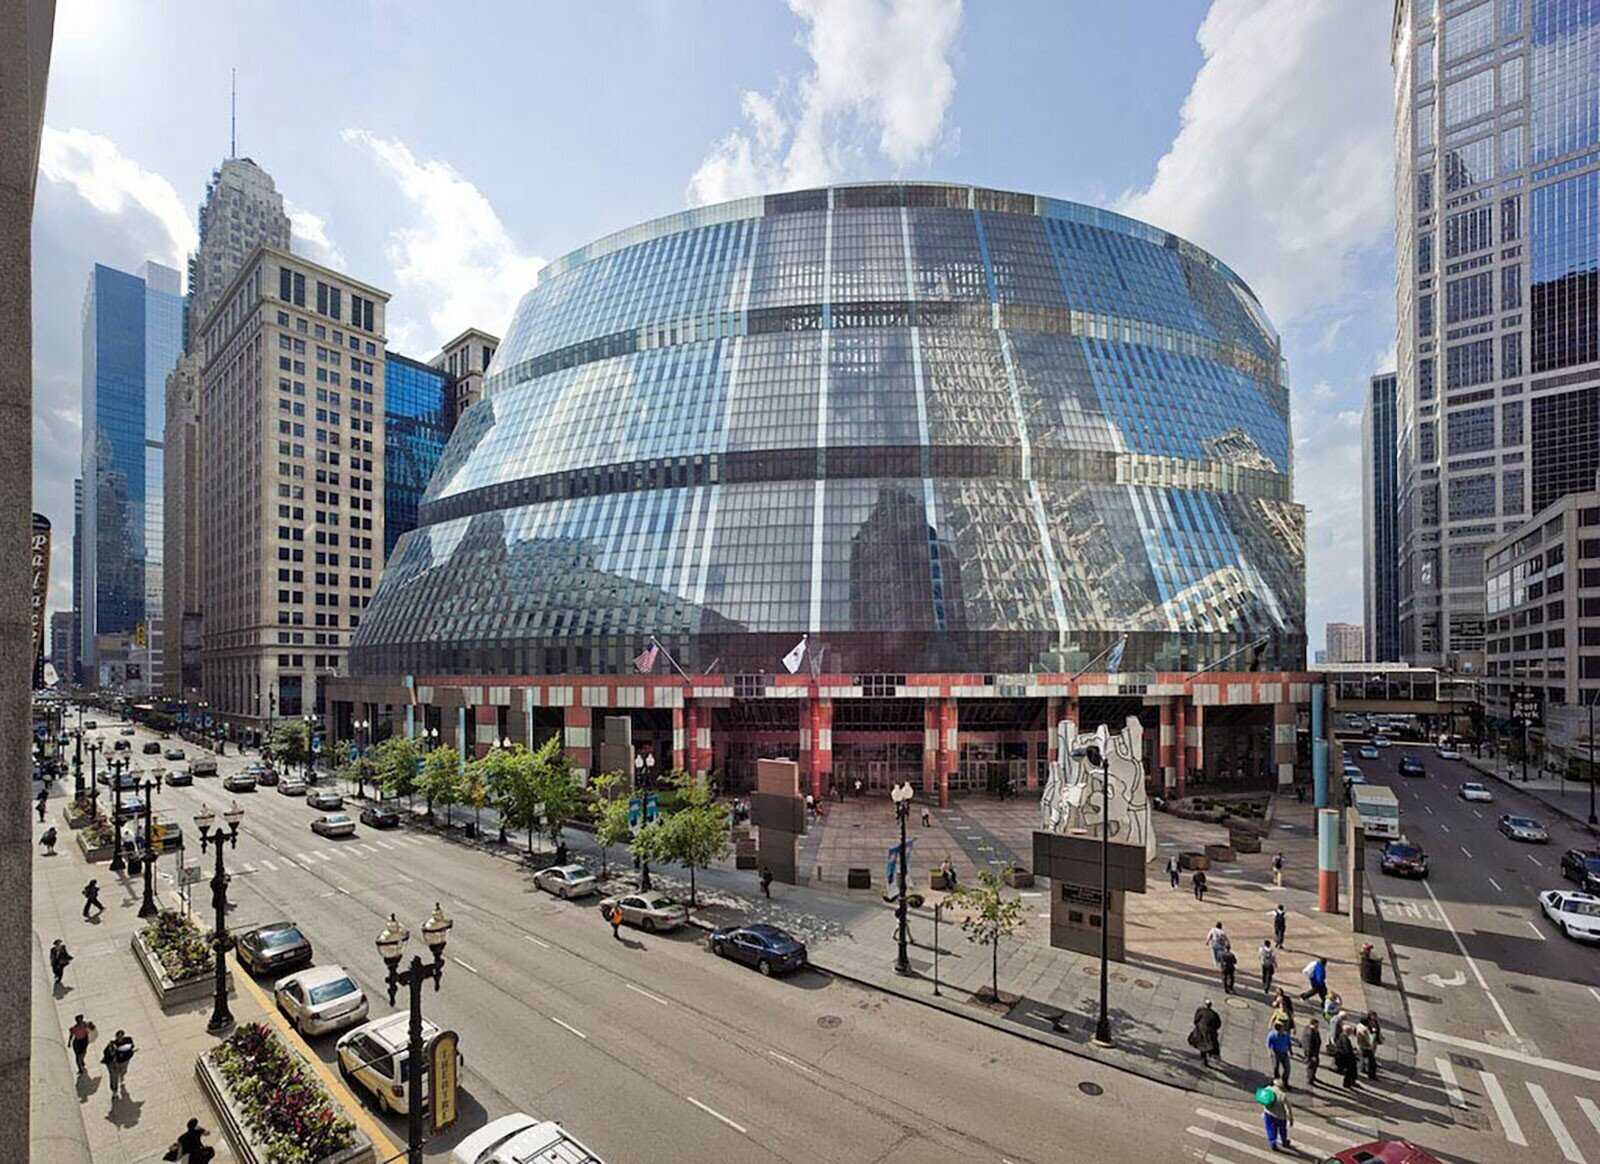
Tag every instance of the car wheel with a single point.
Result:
(1562, 926)
(648, 925)
(718, 950)
(349, 1079)
(765, 967)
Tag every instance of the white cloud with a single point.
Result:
(310, 236)
(115, 185)
(456, 264)
(1283, 163)
(879, 86)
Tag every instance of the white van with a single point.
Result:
(202, 766)
(373, 1057)
(522, 1139)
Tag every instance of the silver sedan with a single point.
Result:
(649, 911)
(319, 1000)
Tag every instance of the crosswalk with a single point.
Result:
(1524, 1112)
(1220, 1138)
(314, 859)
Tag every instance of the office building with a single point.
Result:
(132, 335)
(418, 406)
(77, 580)
(242, 211)
(466, 360)
(959, 442)
(291, 467)
(1345, 643)
(1498, 401)
(63, 644)
(1380, 523)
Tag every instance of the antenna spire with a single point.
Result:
(233, 114)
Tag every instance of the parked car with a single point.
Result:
(1448, 752)
(373, 1057)
(334, 824)
(265, 776)
(1404, 859)
(151, 748)
(649, 911)
(274, 946)
(1381, 741)
(380, 816)
(1523, 828)
(203, 766)
(319, 1000)
(90, 725)
(291, 786)
(239, 782)
(130, 807)
(1411, 766)
(127, 731)
(172, 754)
(521, 1139)
(1366, 752)
(566, 880)
(178, 778)
(1383, 1152)
(1575, 914)
(1472, 790)
(1583, 867)
(325, 799)
(121, 746)
(767, 948)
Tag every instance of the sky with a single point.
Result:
(445, 151)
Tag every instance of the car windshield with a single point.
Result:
(1472, 787)
(660, 902)
(1407, 852)
(274, 938)
(329, 991)
(1522, 822)
(1582, 908)
(340, 819)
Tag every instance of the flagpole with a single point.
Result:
(657, 643)
(1100, 656)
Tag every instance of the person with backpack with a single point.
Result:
(1218, 941)
(1230, 965)
(1199, 883)
(1277, 870)
(91, 899)
(1276, 1116)
(49, 841)
(59, 958)
(116, 1057)
(1280, 925)
(1269, 965)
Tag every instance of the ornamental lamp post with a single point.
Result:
(901, 794)
(93, 748)
(1095, 754)
(391, 943)
(148, 907)
(116, 768)
(505, 746)
(361, 726)
(221, 1016)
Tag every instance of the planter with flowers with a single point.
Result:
(272, 1106)
(95, 840)
(177, 958)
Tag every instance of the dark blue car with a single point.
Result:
(767, 948)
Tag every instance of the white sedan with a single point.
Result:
(649, 911)
(1369, 751)
(1448, 753)
(566, 880)
(1472, 790)
(320, 999)
(1575, 914)
(334, 824)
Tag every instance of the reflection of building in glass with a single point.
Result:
(1380, 522)
(939, 430)
(416, 418)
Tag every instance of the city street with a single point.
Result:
(1502, 1003)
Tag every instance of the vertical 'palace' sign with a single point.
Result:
(41, 591)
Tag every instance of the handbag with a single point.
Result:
(172, 1152)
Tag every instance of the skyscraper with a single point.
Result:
(1497, 250)
(76, 658)
(418, 414)
(132, 334)
(242, 210)
(1380, 517)
(1344, 643)
(466, 358)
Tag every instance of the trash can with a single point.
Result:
(1371, 969)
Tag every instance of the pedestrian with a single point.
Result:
(1279, 1043)
(1217, 939)
(191, 1147)
(766, 881)
(811, 806)
(561, 852)
(80, 1035)
(1199, 880)
(91, 899)
(1230, 965)
(1277, 870)
(1276, 1116)
(1311, 1045)
(49, 841)
(927, 817)
(1333, 1007)
(39, 804)
(1368, 1037)
(1316, 972)
(1206, 1034)
(116, 1057)
(615, 918)
(1280, 925)
(1344, 1055)
(858, 788)
(1283, 1005)
(1269, 965)
(1172, 871)
(948, 869)
(60, 956)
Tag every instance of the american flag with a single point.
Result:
(645, 661)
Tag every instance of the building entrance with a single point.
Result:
(878, 765)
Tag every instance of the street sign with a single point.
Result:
(158, 833)
(189, 872)
(442, 1059)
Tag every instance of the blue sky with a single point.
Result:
(443, 151)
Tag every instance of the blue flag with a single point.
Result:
(894, 857)
(1114, 660)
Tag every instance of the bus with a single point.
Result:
(1377, 809)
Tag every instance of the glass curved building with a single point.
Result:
(934, 428)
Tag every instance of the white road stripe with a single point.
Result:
(798, 1066)
(1505, 1021)
(1534, 859)
(344, 891)
(268, 866)
(1569, 1147)
(369, 848)
(1496, 885)
(1478, 1048)
(1428, 810)
(537, 942)
(1535, 930)
(1247, 1149)
(714, 1113)
(1477, 814)
(576, 1031)
(1256, 1127)
(1467, 851)
(647, 994)
(1502, 1110)
(304, 860)
(1595, 992)
(1590, 1110)
(384, 845)
(465, 966)
(322, 855)
(1452, 1085)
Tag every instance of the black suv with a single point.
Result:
(1411, 766)
(1583, 867)
(1404, 859)
(274, 947)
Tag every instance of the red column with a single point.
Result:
(823, 742)
(691, 716)
(679, 751)
(1182, 712)
(949, 748)
(577, 727)
(930, 747)
(1164, 747)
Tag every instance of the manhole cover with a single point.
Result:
(828, 1021)
(1236, 1003)
(1091, 1088)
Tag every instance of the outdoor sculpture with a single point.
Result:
(1072, 797)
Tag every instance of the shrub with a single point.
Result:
(180, 945)
(285, 1107)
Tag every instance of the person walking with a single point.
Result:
(1311, 1046)
(191, 1147)
(1283, 1005)
(811, 806)
(40, 805)
(948, 869)
(116, 1057)
(1316, 972)
(49, 841)
(1345, 1060)
(1206, 1034)
(1279, 1044)
(91, 899)
(1199, 882)
(1368, 1036)
(927, 817)
(1280, 925)
(1269, 965)
(615, 918)
(858, 788)
(1218, 941)
(766, 881)
(80, 1035)
(1277, 870)
(59, 958)
(1172, 872)
(1230, 965)
(1276, 1116)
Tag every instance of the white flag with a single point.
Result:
(1114, 664)
(796, 656)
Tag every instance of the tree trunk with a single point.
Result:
(530, 840)
(994, 969)
(693, 901)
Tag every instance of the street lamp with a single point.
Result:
(93, 748)
(361, 726)
(148, 907)
(221, 1017)
(901, 794)
(311, 722)
(505, 746)
(77, 758)
(1095, 754)
(116, 768)
(391, 942)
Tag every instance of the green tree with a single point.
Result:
(610, 812)
(502, 770)
(991, 916)
(560, 797)
(440, 781)
(291, 741)
(475, 791)
(395, 763)
(697, 833)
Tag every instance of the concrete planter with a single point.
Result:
(237, 1129)
(74, 820)
(172, 993)
(93, 853)
(1194, 861)
(1019, 878)
(936, 879)
(1244, 842)
(1219, 853)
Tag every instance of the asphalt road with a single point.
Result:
(652, 1049)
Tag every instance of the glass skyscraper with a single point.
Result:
(132, 335)
(417, 410)
(1380, 522)
(932, 427)
(1497, 153)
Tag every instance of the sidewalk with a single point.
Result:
(1566, 798)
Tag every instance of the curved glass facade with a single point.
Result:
(937, 428)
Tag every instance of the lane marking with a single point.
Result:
(384, 845)
(369, 848)
(1256, 1127)
(1476, 973)
(1590, 1110)
(322, 855)
(576, 1031)
(1595, 992)
(1452, 1085)
(1515, 1056)
(1477, 814)
(468, 968)
(1496, 885)
(1247, 1149)
(1429, 811)
(1534, 859)
(304, 860)
(715, 1114)
(537, 942)
(1569, 1147)
(647, 994)
(798, 1066)
(268, 866)
(1502, 1110)
(1535, 930)
(1467, 851)
(344, 891)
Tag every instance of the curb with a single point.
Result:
(1571, 817)
(1405, 1060)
